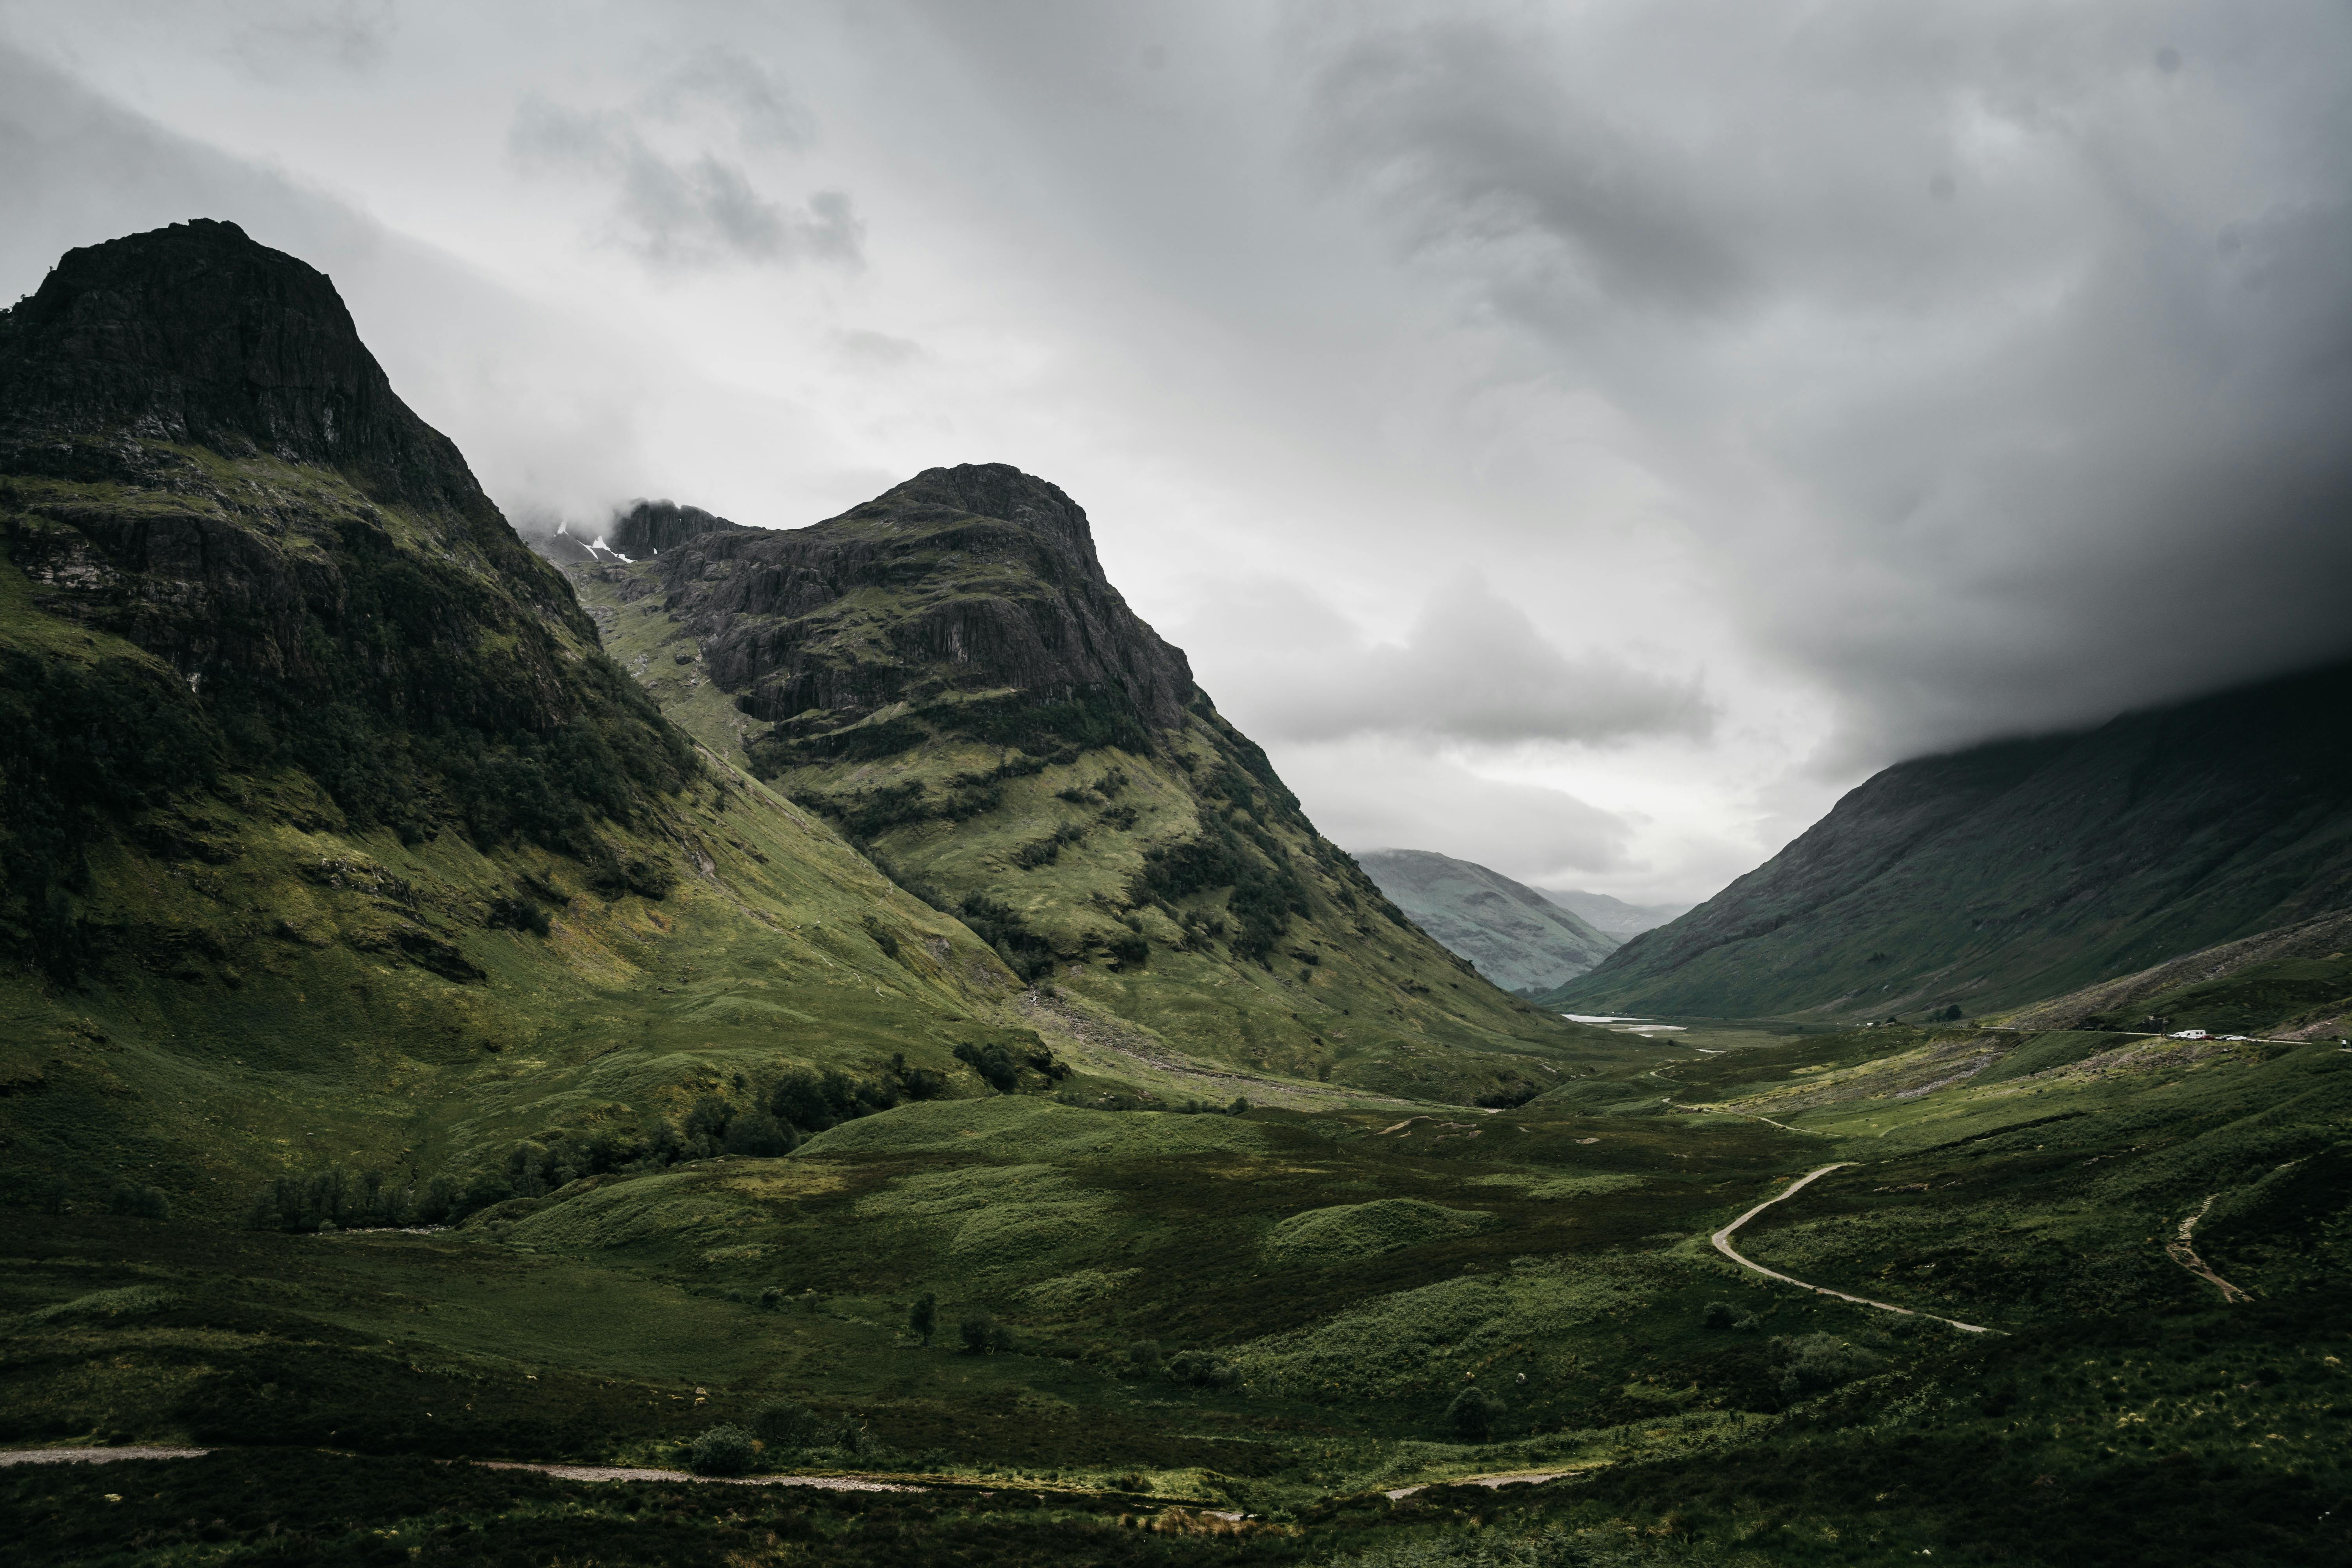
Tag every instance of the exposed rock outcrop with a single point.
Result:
(960, 583)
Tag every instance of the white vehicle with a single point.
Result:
(2191, 1035)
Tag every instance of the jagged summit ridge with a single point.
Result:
(649, 527)
(993, 585)
(197, 334)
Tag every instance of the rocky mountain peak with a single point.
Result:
(197, 333)
(960, 583)
(990, 489)
(650, 527)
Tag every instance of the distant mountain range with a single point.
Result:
(1612, 916)
(2023, 870)
(1519, 938)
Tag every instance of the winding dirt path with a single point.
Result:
(1722, 1239)
(96, 1455)
(566, 1472)
(2180, 1252)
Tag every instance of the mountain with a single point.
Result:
(1516, 937)
(2023, 869)
(329, 832)
(417, 1051)
(946, 675)
(1613, 917)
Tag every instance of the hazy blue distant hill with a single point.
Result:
(2023, 869)
(1613, 917)
(1518, 938)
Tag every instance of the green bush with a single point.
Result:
(983, 1335)
(142, 1203)
(1143, 1357)
(1472, 1414)
(1199, 1369)
(759, 1134)
(787, 1424)
(1717, 1315)
(721, 1451)
(1815, 1363)
(923, 1316)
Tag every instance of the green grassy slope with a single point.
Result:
(2025, 869)
(1518, 938)
(330, 835)
(967, 699)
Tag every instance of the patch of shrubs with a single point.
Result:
(1723, 1315)
(983, 1335)
(799, 1103)
(1239, 1107)
(721, 1451)
(144, 1202)
(1024, 952)
(1472, 1414)
(1199, 1369)
(517, 914)
(1265, 892)
(1509, 1097)
(1815, 1364)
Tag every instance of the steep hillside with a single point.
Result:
(946, 674)
(2293, 982)
(2026, 869)
(1613, 917)
(1518, 939)
(329, 833)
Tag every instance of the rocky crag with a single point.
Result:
(324, 811)
(945, 673)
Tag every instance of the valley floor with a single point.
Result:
(1288, 1336)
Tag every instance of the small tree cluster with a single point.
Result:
(1813, 1363)
(1720, 1315)
(983, 1335)
(999, 1065)
(1199, 1369)
(1473, 1413)
(339, 1199)
(145, 1203)
(721, 1451)
(1170, 1107)
(785, 1426)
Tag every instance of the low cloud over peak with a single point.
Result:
(1471, 668)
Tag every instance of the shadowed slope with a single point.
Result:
(2026, 868)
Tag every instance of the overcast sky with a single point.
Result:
(1583, 438)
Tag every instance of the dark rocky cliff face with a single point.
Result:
(972, 594)
(650, 527)
(196, 334)
(198, 457)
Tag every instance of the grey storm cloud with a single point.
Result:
(696, 208)
(1472, 668)
(2012, 345)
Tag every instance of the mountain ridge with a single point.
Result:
(1518, 938)
(946, 674)
(2023, 869)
